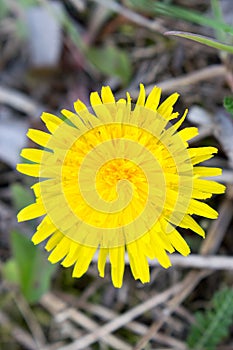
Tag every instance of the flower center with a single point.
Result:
(115, 170)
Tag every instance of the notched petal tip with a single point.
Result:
(107, 95)
(142, 96)
(95, 99)
(79, 106)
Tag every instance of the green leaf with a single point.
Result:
(203, 40)
(217, 12)
(228, 104)
(21, 29)
(212, 326)
(21, 196)
(71, 29)
(111, 61)
(10, 271)
(28, 3)
(3, 9)
(34, 271)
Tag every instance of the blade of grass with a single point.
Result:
(217, 12)
(203, 40)
(181, 13)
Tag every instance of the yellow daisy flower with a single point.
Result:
(116, 178)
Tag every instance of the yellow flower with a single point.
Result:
(117, 178)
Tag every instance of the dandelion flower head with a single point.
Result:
(117, 179)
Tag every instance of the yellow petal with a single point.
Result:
(121, 101)
(138, 262)
(188, 133)
(198, 194)
(103, 253)
(84, 261)
(29, 169)
(105, 112)
(54, 240)
(201, 153)
(51, 121)
(44, 230)
(153, 98)
(60, 250)
(180, 121)
(33, 154)
(190, 223)
(174, 115)
(203, 171)
(79, 106)
(73, 255)
(166, 108)
(107, 95)
(179, 243)
(36, 189)
(31, 212)
(87, 118)
(95, 99)
(162, 258)
(117, 260)
(74, 118)
(208, 186)
(128, 98)
(202, 209)
(40, 137)
(142, 96)
(160, 239)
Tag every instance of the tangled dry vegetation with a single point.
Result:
(52, 54)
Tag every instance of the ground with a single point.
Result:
(53, 53)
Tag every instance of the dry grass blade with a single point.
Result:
(123, 319)
(176, 84)
(197, 261)
(18, 334)
(188, 284)
(18, 101)
(218, 229)
(62, 313)
(134, 326)
(131, 15)
(149, 335)
(31, 320)
(87, 323)
(223, 132)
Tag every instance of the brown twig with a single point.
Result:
(19, 101)
(123, 319)
(176, 84)
(87, 323)
(132, 16)
(30, 319)
(188, 284)
(217, 231)
(62, 313)
(17, 333)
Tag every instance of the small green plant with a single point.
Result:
(212, 325)
(228, 104)
(28, 267)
